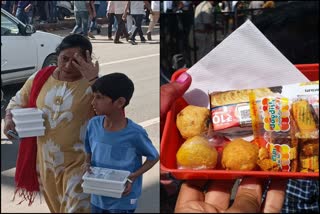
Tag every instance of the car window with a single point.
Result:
(8, 27)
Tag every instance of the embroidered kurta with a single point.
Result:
(60, 152)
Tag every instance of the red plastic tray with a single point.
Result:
(171, 142)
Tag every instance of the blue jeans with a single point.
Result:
(26, 18)
(53, 11)
(93, 22)
(82, 18)
(95, 209)
(138, 20)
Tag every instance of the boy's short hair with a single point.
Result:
(114, 85)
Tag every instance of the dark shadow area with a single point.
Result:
(292, 27)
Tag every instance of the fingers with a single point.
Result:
(191, 191)
(97, 66)
(78, 59)
(127, 190)
(218, 193)
(85, 66)
(275, 196)
(172, 91)
(9, 125)
(248, 197)
(88, 56)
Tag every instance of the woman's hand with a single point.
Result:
(87, 68)
(9, 125)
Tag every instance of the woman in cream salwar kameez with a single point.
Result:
(65, 99)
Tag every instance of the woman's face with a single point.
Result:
(65, 59)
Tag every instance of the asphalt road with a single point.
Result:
(141, 63)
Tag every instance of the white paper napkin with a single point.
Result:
(245, 59)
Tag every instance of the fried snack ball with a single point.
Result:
(192, 121)
(239, 155)
(197, 153)
(268, 165)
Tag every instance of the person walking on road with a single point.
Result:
(23, 11)
(82, 12)
(94, 5)
(116, 142)
(63, 93)
(110, 18)
(154, 17)
(137, 11)
(119, 9)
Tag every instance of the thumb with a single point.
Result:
(171, 92)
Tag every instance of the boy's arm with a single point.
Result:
(148, 164)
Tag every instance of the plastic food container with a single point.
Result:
(30, 132)
(28, 124)
(106, 179)
(101, 191)
(25, 114)
(171, 142)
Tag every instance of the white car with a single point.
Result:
(24, 50)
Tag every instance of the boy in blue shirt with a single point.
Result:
(114, 141)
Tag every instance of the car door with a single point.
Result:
(18, 52)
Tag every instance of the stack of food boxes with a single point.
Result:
(28, 121)
(105, 182)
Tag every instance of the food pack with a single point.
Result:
(283, 121)
(172, 141)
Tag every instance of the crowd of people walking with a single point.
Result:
(124, 18)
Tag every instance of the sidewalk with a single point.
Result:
(69, 23)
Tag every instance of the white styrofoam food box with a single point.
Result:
(106, 178)
(101, 191)
(30, 132)
(25, 114)
(22, 124)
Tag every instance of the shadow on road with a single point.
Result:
(149, 202)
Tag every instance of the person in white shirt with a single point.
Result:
(137, 11)
(119, 9)
(256, 5)
(154, 17)
(112, 22)
(82, 13)
(167, 6)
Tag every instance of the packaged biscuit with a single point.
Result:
(283, 121)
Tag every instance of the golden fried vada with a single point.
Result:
(192, 121)
(240, 155)
(197, 153)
